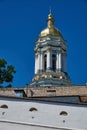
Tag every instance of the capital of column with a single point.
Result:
(48, 49)
(41, 52)
(38, 51)
(60, 50)
(36, 54)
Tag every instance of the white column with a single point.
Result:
(39, 65)
(42, 61)
(57, 61)
(60, 62)
(49, 59)
(36, 66)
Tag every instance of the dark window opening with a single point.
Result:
(20, 93)
(63, 113)
(32, 109)
(45, 62)
(4, 106)
(51, 90)
(54, 62)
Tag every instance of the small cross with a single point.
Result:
(50, 10)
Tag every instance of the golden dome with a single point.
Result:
(50, 30)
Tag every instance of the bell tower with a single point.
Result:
(50, 58)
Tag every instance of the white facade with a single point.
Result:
(39, 115)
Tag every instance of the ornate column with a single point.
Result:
(36, 65)
(57, 61)
(49, 59)
(60, 62)
(38, 62)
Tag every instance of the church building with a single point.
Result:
(51, 101)
(50, 57)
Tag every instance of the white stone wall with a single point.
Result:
(18, 117)
(11, 126)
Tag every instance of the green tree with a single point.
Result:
(6, 73)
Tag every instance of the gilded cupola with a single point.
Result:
(50, 30)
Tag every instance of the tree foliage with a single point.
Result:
(6, 72)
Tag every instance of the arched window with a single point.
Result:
(45, 62)
(32, 109)
(3, 106)
(63, 113)
(54, 62)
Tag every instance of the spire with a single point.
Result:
(50, 29)
(50, 10)
(50, 19)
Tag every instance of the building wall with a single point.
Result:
(56, 91)
(46, 116)
(46, 91)
(11, 126)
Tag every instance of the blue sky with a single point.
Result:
(20, 24)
